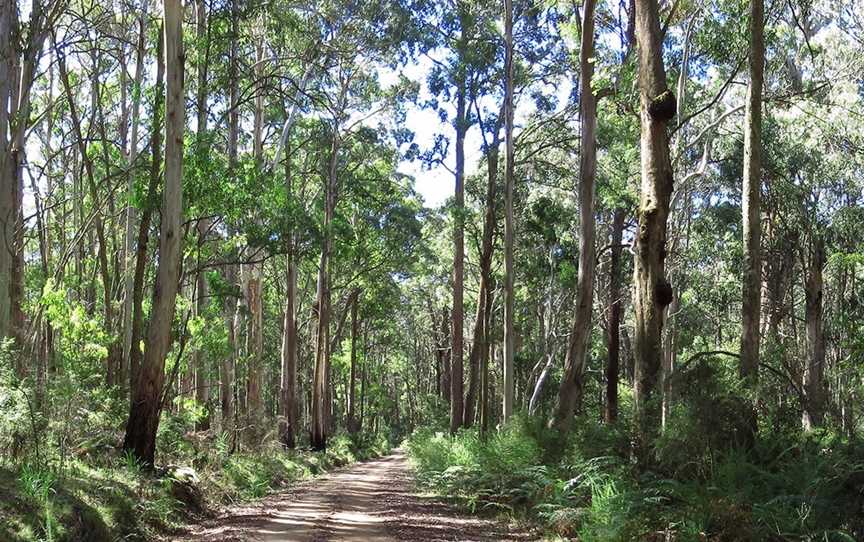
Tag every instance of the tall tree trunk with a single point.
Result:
(669, 358)
(478, 347)
(131, 212)
(652, 290)
(226, 371)
(484, 378)
(137, 332)
(458, 313)
(21, 57)
(228, 376)
(613, 340)
(439, 366)
(481, 332)
(146, 401)
(509, 396)
(363, 377)
(255, 346)
(570, 390)
(444, 350)
(750, 199)
(7, 224)
(203, 44)
(320, 384)
(255, 273)
(288, 381)
(200, 362)
(355, 329)
(288, 408)
(814, 369)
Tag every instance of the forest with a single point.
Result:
(382, 270)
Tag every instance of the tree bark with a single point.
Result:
(255, 275)
(652, 290)
(20, 57)
(509, 395)
(228, 376)
(146, 401)
(320, 384)
(146, 217)
(570, 390)
(226, 371)
(480, 332)
(355, 329)
(458, 313)
(814, 370)
(131, 211)
(444, 351)
(484, 377)
(11, 189)
(613, 341)
(7, 224)
(200, 362)
(750, 200)
(288, 382)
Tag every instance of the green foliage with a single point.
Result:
(112, 497)
(83, 343)
(781, 489)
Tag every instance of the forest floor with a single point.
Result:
(372, 501)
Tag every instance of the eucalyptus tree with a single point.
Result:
(570, 390)
(458, 37)
(751, 192)
(350, 99)
(381, 235)
(147, 395)
(21, 50)
(534, 59)
(307, 55)
(7, 210)
(130, 151)
(200, 371)
(510, 161)
(653, 292)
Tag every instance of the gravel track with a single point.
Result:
(372, 501)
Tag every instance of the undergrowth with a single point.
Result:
(64, 477)
(107, 497)
(785, 487)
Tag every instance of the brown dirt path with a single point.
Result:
(373, 501)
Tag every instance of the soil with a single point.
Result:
(373, 501)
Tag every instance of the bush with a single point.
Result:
(781, 488)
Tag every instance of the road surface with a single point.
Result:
(373, 501)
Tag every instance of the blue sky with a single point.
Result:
(437, 184)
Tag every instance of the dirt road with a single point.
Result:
(372, 501)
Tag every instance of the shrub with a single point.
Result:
(781, 488)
